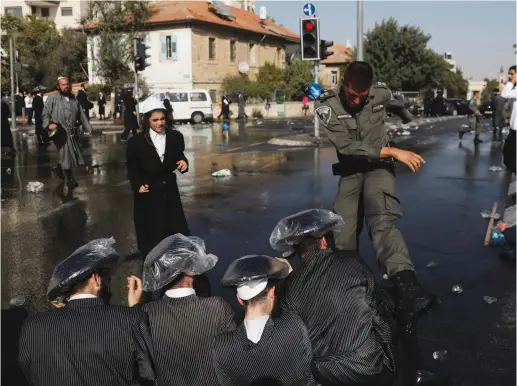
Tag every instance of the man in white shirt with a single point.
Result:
(183, 325)
(267, 348)
(28, 107)
(510, 94)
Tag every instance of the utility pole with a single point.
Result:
(136, 40)
(316, 80)
(360, 53)
(11, 62)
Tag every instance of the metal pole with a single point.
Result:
(316, 80)
(11, 62)
(360, 53)
(135, 41)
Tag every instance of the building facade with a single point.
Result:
(63, 13)
(475, 85)
(332, 72)
(192, 45)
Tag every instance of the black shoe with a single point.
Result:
(59, 172)
(428, 378)
(70, 180)
(413, 300)
(461, 134)
(477, 139)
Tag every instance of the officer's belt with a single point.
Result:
(351, 165)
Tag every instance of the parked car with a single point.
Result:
(187, 105)
(456, 106)
(486, 109)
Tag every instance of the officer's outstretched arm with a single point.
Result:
(340, 138)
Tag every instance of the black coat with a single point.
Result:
(82, 98)
(350, 322)
(87, 343)
(157, 213)
(282, 356)
(183, 330)
(37, 105)
(7, 136)
(130, 119)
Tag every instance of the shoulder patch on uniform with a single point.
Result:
(324, 113)
(325, 95)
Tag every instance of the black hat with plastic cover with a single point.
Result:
(291, 230)
(90, 258)
(250, 274)
(173, 256)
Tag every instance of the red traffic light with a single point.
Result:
(308, 26)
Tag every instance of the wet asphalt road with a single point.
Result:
(235, 216)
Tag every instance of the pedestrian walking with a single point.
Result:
(225, 107)
(509, 93)
(61, 116)
(7, 136)
(170, 112)
(130, 118)
(474, 118)
(183, 324)
(267, 106)
(305, 106)
(82, 97)
(498, 103)
(84, 341)
(102, 106)
(353, 119)
(152, 157)
(268, 348)
(242, 106)
(38, 106)
(28, 107)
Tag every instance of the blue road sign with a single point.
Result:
(315, 91)
(309, 9)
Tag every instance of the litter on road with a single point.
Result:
(222, 173)
(489, 299)
(440, 355)
(35, 186)
(457, 289)
(495, 168)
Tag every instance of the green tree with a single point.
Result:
(297, 73)
(487, 92)
(115, 23)
(400, 57)
(455, 84)
(271, 76)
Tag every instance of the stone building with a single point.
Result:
(195, 44)
(331, 74)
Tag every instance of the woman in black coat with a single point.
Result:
(130, 120)
(152, 157)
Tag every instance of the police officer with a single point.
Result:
(474, 117)
(353, 118)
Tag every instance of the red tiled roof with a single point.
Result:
(163, 12)
(341, 55)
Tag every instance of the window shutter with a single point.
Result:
(174, 49)
(164, 48)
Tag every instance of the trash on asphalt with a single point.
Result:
(385, 277)
(486, 215)
(501, 226)
(17, 301)
(8, 171)
(406, 133)
(431, 264)
(495, 168)
(260, 122)
(225, 126)
(222, 173)
(505, 131)
(221, 144)
(457, 289)
(496, 238)
(464, 126)
(489, 299)
(440, 355)
(35, 186)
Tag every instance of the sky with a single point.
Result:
(479, 34)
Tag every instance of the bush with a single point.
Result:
(256, 113)
(95, 89)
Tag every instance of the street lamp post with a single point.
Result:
(11, 62)
(360, 53)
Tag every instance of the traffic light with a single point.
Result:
(141, 55)
(310, 38)
(324, 53)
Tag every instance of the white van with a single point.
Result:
(188, 105)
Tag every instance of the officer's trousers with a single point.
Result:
(371, 195)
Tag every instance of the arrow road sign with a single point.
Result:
(309, 9)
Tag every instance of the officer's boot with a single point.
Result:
(70, 180)
(59, 171)
(477, 139)
(413, 300)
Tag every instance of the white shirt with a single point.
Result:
(510, 92)
(158, 142)
(180, 292)
(255, 328)
(28, 102)
(82, 296)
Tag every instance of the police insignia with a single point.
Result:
(324, 113)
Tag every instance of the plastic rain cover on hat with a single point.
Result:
(80, 265)
(254, 268)
(174, 255)
(312, 222)
(153, 104)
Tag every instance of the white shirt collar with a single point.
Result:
(82, 296)
(180, 292)
(255, 328)
(158, 140)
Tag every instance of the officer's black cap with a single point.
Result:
(359, 75)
